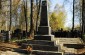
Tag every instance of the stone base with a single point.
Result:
(39, 52)
(39, 42)
(44, 30)
(76, 46)
(44, 37)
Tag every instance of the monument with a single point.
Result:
(44, 30)
(43, 43)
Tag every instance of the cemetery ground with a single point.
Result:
(18, 47)
(11, 48)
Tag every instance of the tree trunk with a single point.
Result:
(25, 14)
(0, 4)
(37, 15)
(38, 11)
(9, 37)
(83, 18)
(31, 32)
(73, 16)
(10, 15)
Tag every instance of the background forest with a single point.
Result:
(25, 15)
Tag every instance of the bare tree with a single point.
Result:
(25, 14)
(0, 4)
(10, 15)
(73, 15)
(83, 17)
(31, 32)
(38, 11)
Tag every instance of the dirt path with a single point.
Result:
(8, 46)
(80, 51)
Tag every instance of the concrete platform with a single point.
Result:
(38, 52)
(41, 47)
(76, 46)
(44, 37)
(39, 42)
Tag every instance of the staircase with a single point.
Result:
(68, 40)
(42, 47)
(70, 45)
(60, 46)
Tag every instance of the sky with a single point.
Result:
(68, 8)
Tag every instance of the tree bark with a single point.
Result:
(73, 16)
(25, 14)
(83, 18)
(31, 32)
(38, 11)
(10, 15)
(0, 4)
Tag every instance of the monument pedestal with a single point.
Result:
(44, 37)
(44, 33)
(44, 30)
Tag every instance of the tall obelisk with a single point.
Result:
(44, 30)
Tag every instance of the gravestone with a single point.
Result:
(44, 30)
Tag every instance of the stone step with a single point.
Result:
(70, 54)
(68, 40)
(44, 37)
(41, 47)
(38, 52)
(20, 50)
(69, 50)
(73, 54)
(76, 46)
(40, 42)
